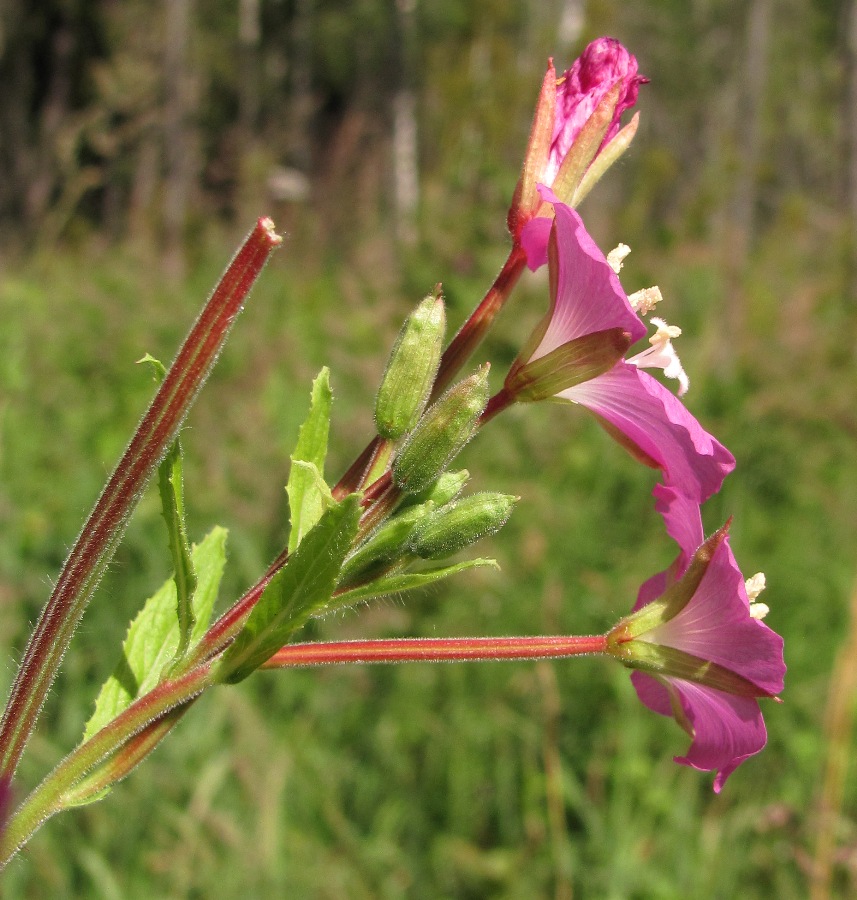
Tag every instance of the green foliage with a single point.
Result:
(309, 495)
(172, 505)
(400, 582)
(299, 589)
(154, 636)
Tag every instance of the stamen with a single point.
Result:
(616, 256)
(754, 586)
(646, 300)
(759, 610)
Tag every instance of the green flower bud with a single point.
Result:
(457, 525)
(445, 489)
(441, 434)
(386, 544)
(411, 369)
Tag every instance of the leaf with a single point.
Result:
(172, 506)
(295, 592)
(307, 498)
(153, 636)
(404, 581)
(315, 495)
(159, 370)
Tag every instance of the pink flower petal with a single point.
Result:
(727, 729)
(534, 239)
(589, 297)
(656, 424)
(716, 625)
(684, 526)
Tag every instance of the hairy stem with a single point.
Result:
(106, 523)
(399, 650)
(49, 797)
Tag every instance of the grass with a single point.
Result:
(471, 781)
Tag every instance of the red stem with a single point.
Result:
(456, 354)
(463, 345)
(460, 349)
(435, 650)
(106, 523)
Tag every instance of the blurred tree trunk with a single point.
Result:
(850, 119)
(17, 78)
(405, 167)
(740, 231)
(177, 133)
(298, 149)
(54, 112)
(249, 36)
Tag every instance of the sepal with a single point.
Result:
(572, 363)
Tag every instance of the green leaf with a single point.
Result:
(153, 636)
(304, 585)
(159, 370)
(309, 496)
(315, 499)
(172, 506)
(404, 581)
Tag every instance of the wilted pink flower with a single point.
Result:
(584, 106)
(587, 302)
(700, 655)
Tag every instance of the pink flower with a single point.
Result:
(588, 308)
(700, 654)
(577, 116)
(582, 87)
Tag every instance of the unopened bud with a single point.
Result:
(411, 369)
(457, 525)
(441, 433)
(443, 491)
(385, 545)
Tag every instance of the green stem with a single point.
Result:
(56, 792)
(103, 529)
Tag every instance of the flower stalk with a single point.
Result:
(400, 650)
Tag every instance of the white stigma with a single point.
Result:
(662, 355)
(617, 256)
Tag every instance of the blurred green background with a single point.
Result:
(138, 142)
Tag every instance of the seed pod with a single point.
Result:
(411, 369)
(457, 525)
(387, 544)
(441, 434)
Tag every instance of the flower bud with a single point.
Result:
(441, 433)
(411, 369)
(443, 491)
(387, 544)
(457, 525)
